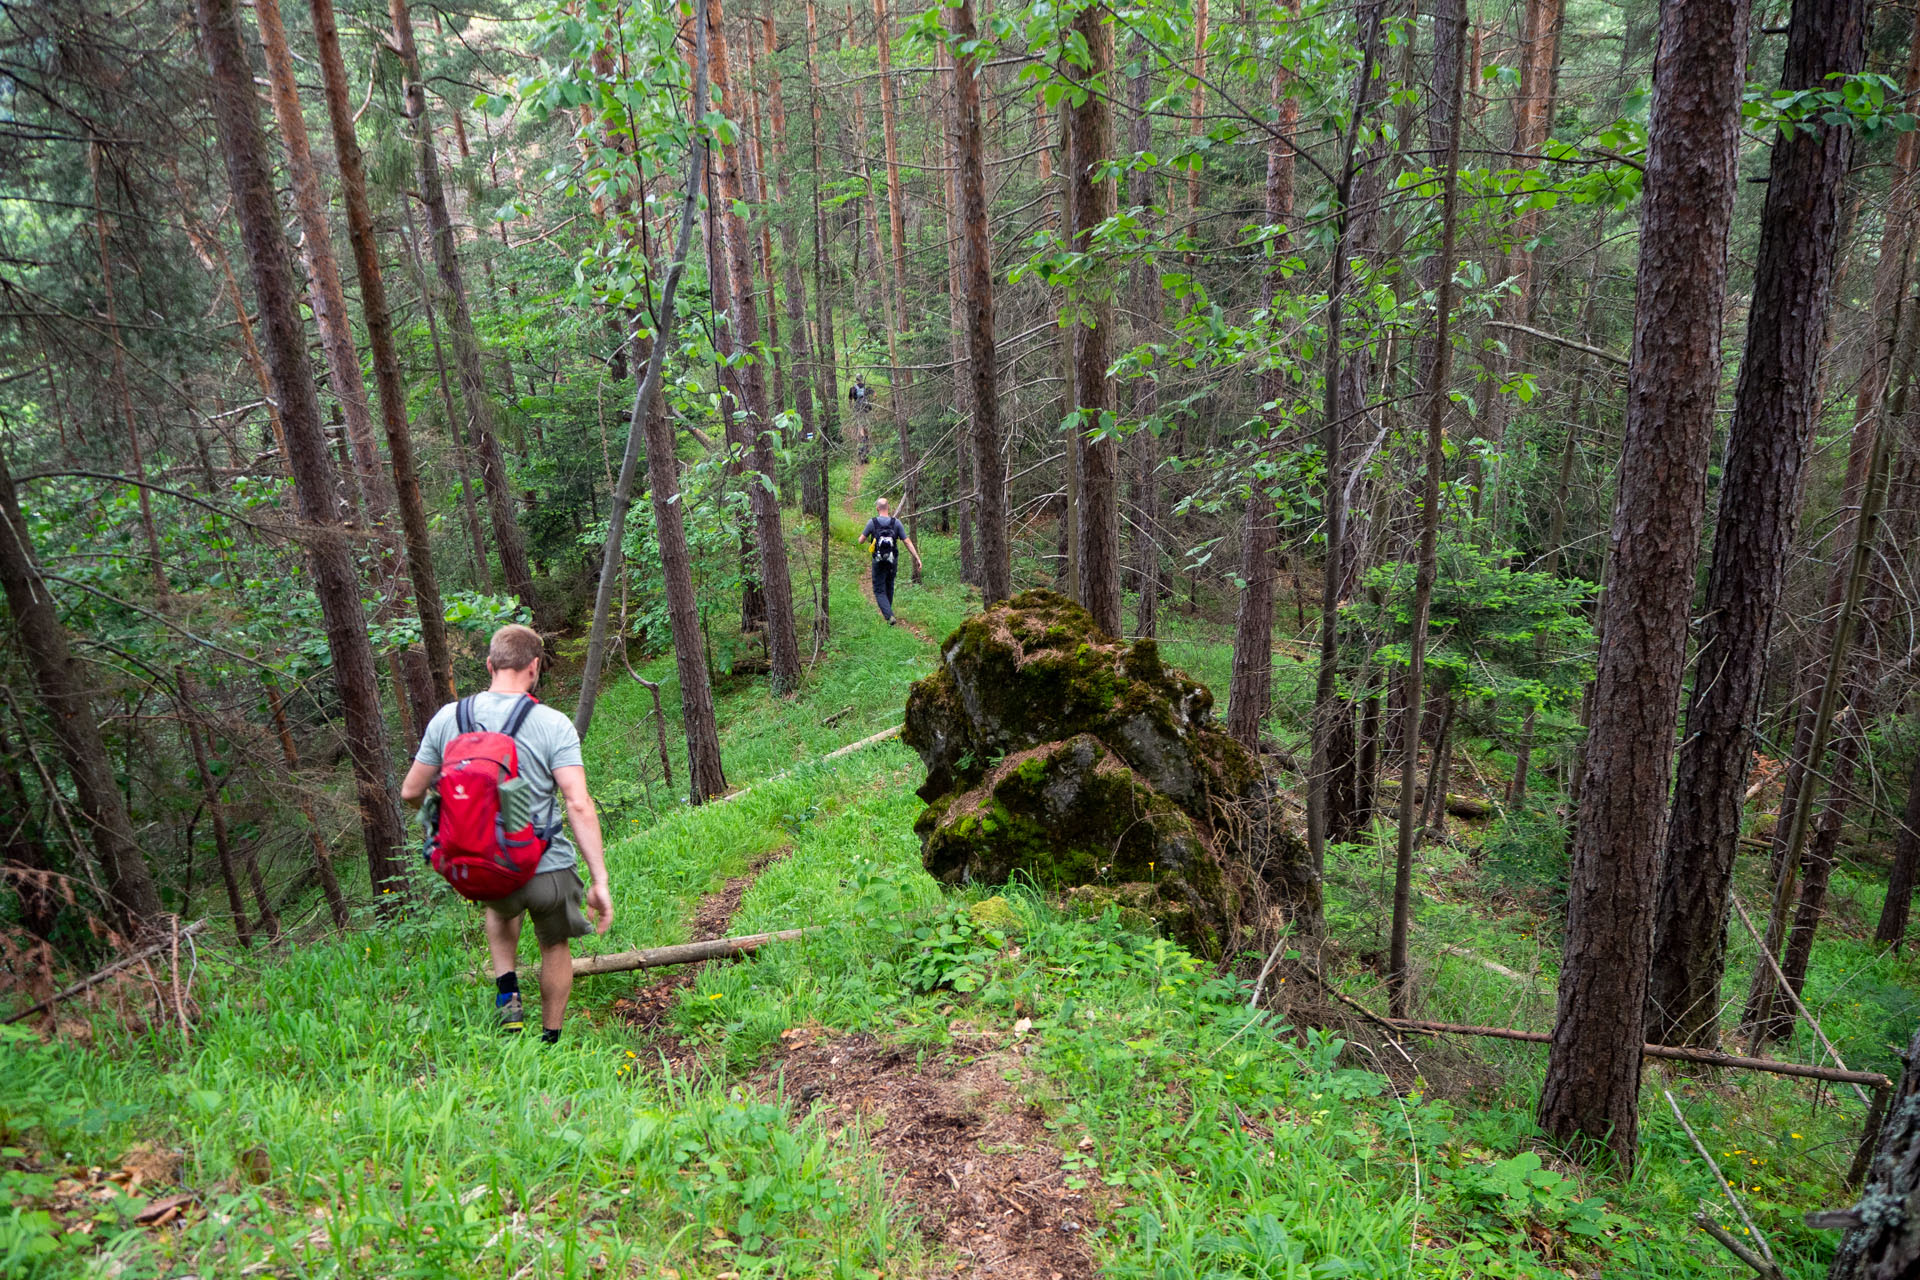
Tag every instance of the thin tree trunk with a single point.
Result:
(1437, 377)
(335, 582)
(386, 359)
(322, 857)
(65, 694)
(823, 310)
(1760, 998)
(657, 341)
(976, 273)
(466, 344)
(899, 378)
(1250, 694)
(776, 584)
(1090, 202)
(268, 922)
(1146, 538)
(1592, 1085)
(1774, 412)
(796, 299)
(1898, 907)
(1328, 709)
(328, 299)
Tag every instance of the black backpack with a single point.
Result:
(883, 546)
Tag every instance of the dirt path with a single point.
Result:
(649, 1009)
(958, 1145)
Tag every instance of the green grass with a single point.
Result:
(346, 1108)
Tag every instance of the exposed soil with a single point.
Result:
(959, 1148)
(649, 1008)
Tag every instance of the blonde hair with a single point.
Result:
(515, 648)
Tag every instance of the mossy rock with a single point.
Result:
(1035, 669)
(1072, 813)
(997, 914)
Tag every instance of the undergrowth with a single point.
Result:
(345, 1107)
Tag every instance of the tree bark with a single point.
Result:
(335, 582)
(1437, 378)
(453, 308)
(1353, 216)
(1592, 1085)
(134, 903)
(386, 358)
(776, 584)
(1250, 693)
(796, 299)
(657, 342)
(900, 379)
(328, 299)
(1774, 410)
(976, 273)
(1090, 202)
(1885, 1244)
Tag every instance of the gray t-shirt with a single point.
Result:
(546, 742)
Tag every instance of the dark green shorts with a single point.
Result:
(552, 900)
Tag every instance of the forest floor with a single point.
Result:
(903, 1092)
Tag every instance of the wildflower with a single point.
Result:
(1793, 1135)
(631, 1054)
(716, 995)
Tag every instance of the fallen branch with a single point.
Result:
(849, 749)
(683, 953)
(1761, 1267)
(1669, 1052)
(1770, 1266)
(1793, 995)
(125, 962)
(837, 716)
(852, 747)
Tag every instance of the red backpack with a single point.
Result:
(472, 845)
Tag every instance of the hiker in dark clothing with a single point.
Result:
(887, 535)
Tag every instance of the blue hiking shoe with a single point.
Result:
(508, 1009)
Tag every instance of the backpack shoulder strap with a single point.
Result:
(463, 715)
(518, 716)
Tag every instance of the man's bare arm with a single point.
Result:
(584, 819)
(413, 788)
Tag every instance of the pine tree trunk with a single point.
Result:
(613, 554)
(453, 308)
(976, 273)
(1090, 202)
(900, 378)
(796, 299)
(386, 359)
(335, 581)
(328, 299)
(1250, 694)
(1774, 412)
(1449, 32)
(1898, 907)
(1883, 1239)
(1354, 200)
(1593, 1070)
(776, 584)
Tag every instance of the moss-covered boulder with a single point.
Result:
(1059, 754)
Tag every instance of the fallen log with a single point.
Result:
(681, 953)
(1671, 1053)
(1458, 806)
(99, 976)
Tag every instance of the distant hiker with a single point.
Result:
(861, 398)
(499, 758)
(887, 535)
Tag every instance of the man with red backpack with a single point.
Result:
(494, 770)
